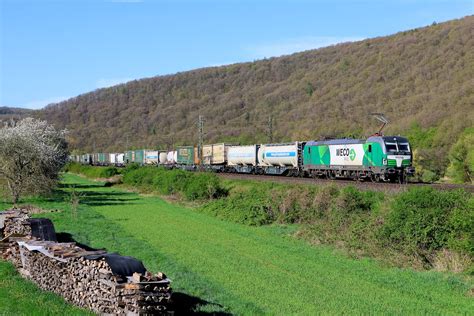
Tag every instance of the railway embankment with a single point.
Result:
(419, 226)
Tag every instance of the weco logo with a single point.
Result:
(346, 152)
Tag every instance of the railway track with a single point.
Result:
(386, 187)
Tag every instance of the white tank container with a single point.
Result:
(163, 157)
(283, 155)
(242, 155)
(120, 158)
(171, 157)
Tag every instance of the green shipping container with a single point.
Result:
(139, 156)
(185, 155)
(128, 156)
(103, 158)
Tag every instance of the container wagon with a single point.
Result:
(185, 157)
(242, 159)
(214, 157)
(280, 159)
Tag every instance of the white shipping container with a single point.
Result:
(151, 157)
(278, 155)
(163, 157)
(113, 159)
(120, 159)
(242, 155)
(172, 157)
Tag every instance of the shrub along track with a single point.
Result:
(219, 266)
(366, 185)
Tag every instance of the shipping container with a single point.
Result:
(139, 156)
(163, 157)
(185, 155)
(113, 158)
(86, 159)
(215, 154)
(151, 157)
(129, 156)
(196, 156)
(278, 155)
(120, 159)
(169, 158)
(242, 155)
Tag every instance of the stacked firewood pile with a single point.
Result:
(105, 283)
(15, 222)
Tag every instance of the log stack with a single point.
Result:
(84, 278)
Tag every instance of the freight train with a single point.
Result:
(378, 158)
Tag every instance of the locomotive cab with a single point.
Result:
(398, 154)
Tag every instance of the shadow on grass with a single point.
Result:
(94, 198)
(79, 186)
(182, 303)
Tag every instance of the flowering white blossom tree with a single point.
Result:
(32, 153)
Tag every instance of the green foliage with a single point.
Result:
(423, 220)
(193, 186)
(461, 157)
(250, 207)
(352, 200)
(429, 176)
(91, 171)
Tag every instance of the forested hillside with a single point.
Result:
(422, 79)
(7, 113)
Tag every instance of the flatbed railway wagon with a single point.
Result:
(379, 158)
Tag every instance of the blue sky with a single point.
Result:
(53, 50)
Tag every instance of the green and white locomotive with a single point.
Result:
(379, 158)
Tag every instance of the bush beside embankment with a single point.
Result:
(91, 171)
(193, 186)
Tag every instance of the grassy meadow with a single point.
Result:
(21, 297)
(223, 267)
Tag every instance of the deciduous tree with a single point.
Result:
(32, 153)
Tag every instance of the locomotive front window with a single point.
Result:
(391, 147)
(403, 147)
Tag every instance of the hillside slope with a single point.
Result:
(422, 79)
(8, 113)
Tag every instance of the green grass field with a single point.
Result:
(219, 266)
(21, 297)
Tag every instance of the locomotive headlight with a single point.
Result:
(384, 162)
